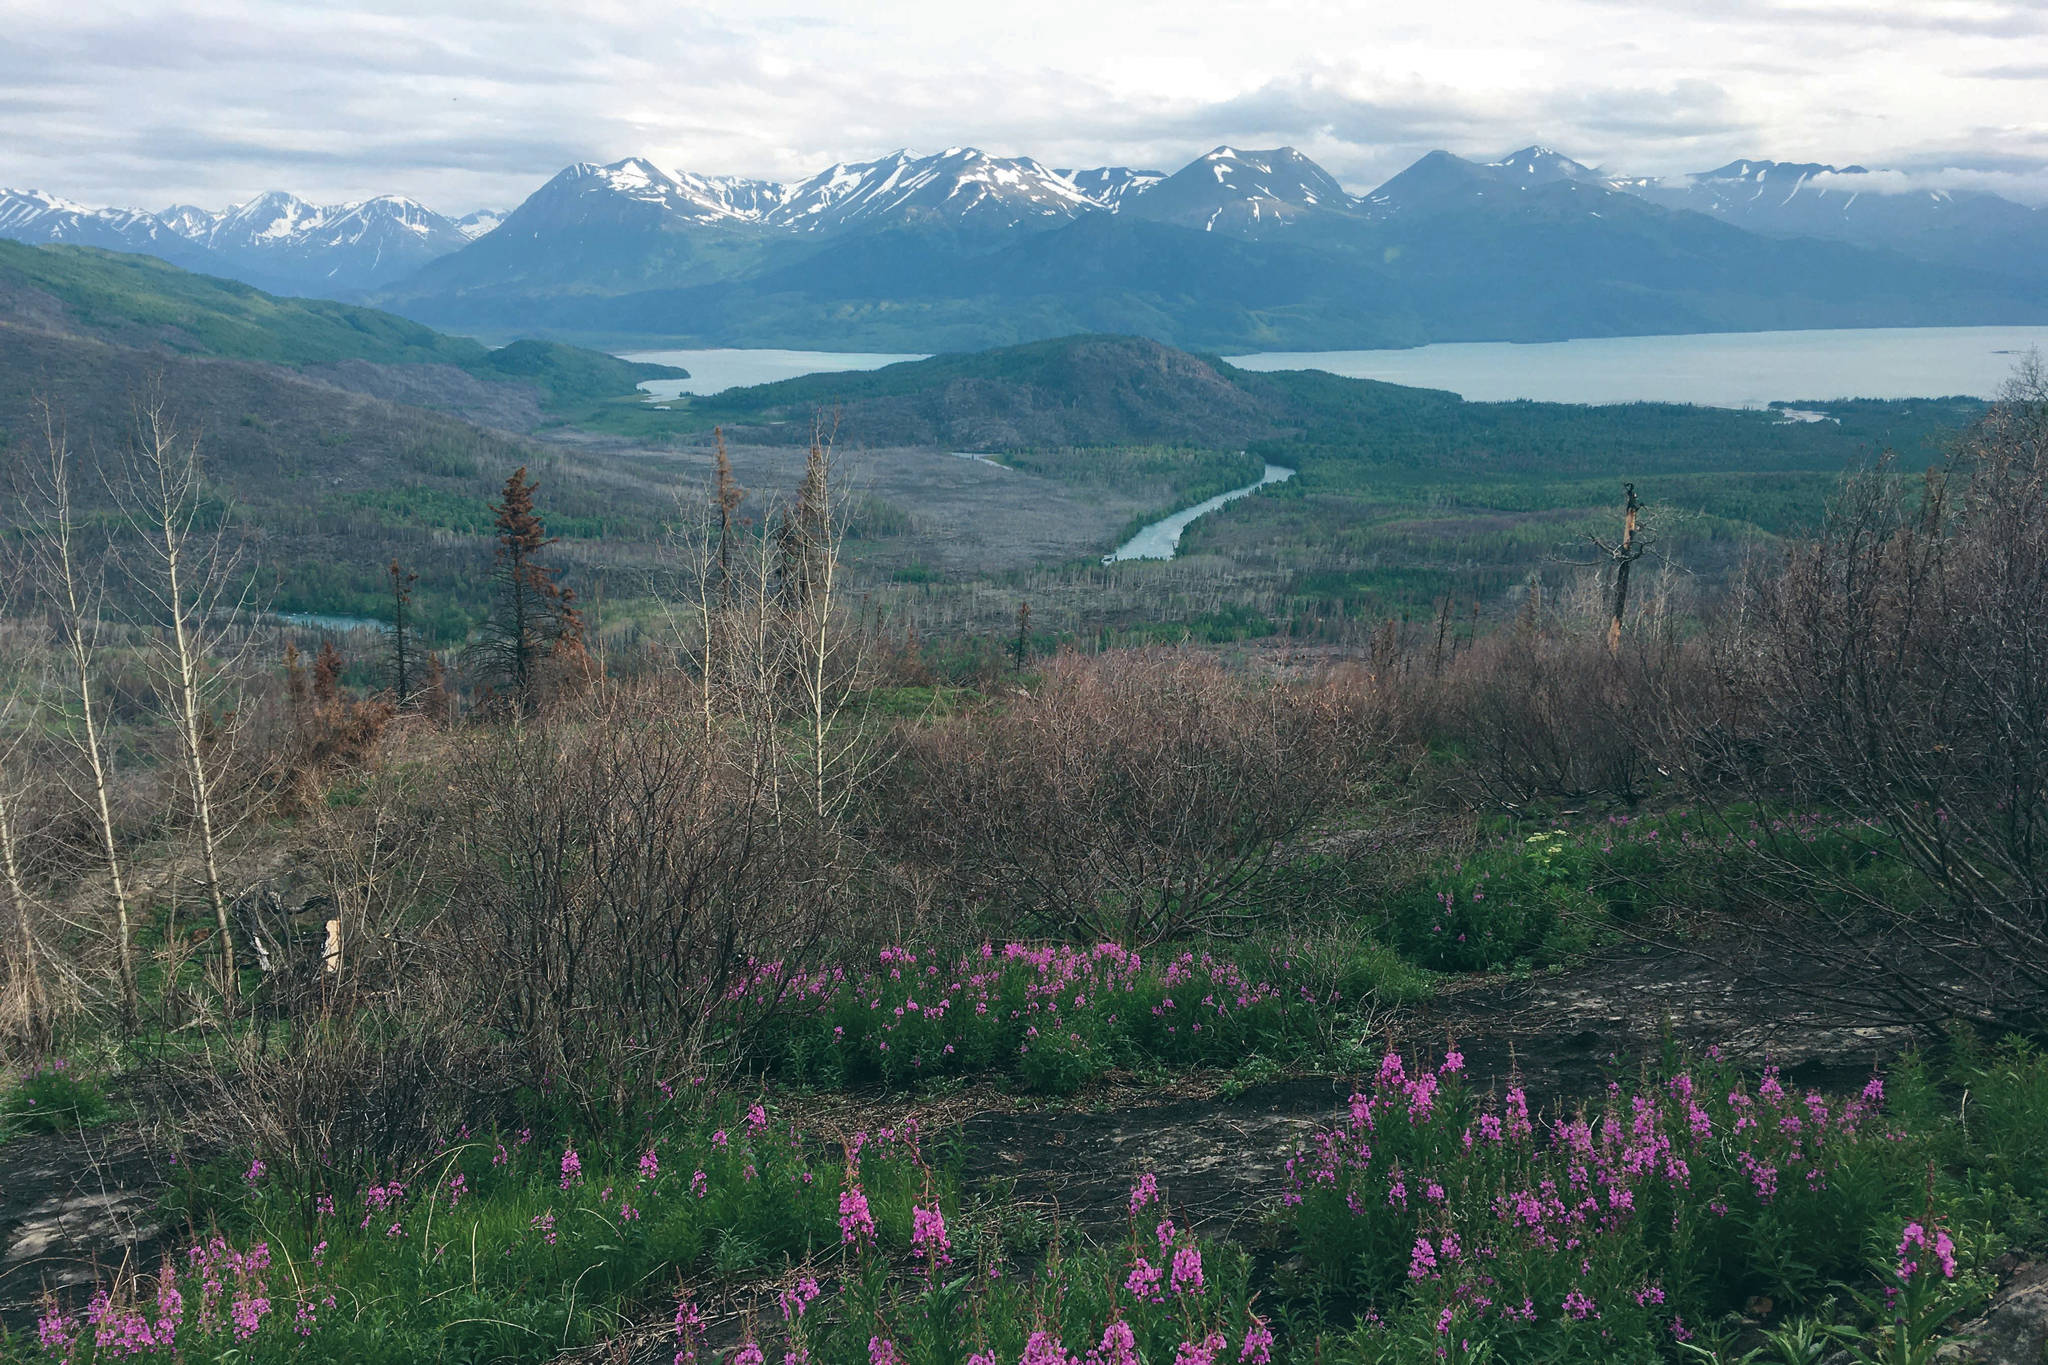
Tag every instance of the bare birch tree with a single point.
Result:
(77, 593)
(765, 623)
(192, 581)
(828, 661)
(22, 683)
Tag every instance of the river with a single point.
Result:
(1161, 539)
(313, 620)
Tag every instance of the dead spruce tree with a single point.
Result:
(1638, 536)
(404, 651)
(191, 582)
(534, 633)
(76, 589)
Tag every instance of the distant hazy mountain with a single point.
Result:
(1238, 248)
(474, 225)
(275, 240)
(1246, 193)
(32, 216)
(1872, 208)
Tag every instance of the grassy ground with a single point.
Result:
(832, 1207)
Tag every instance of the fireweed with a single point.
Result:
(1053, 1016)
(1072, 1307)
(506, 1248)
(209, 1301)
(1626, 1226)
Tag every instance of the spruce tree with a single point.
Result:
(403, 666)
(534, 617)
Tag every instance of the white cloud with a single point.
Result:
(2028, 187)
(463, 103)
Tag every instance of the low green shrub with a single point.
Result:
(53, 1098)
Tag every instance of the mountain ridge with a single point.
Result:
(961, 247)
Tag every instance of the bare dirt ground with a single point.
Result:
(1560, 1035)
(73, 1208)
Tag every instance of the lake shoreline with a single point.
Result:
(1804, 368)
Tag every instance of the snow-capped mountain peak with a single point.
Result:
(1245, 192)
(273, 216)
(34, 216)
(276, 240)
(680, 195)
(1110, 186)
(957, 185)
(1282, 175)
(475, 225)
(188, 220)
(1539, 165)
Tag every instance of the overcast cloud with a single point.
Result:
(472, 104)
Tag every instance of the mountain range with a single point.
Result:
(1238, 249)
(274, 241)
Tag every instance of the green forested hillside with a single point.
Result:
(329, 485)
(1075, 391)
(141, 301)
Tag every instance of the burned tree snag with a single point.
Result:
(1624, 555)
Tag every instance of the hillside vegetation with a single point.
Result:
(1404, 497)
(1608, 986)
(141, 301)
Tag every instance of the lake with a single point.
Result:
(713, 371)
(1717, 369)
(1721, 369)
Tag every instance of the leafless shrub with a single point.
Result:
(322, 730)
(1134, 796)
(620, 879)
(368, 1090)
(1553, 707)
(1897, 666)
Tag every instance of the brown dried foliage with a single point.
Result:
(1133, 796)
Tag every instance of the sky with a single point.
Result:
(470, 105)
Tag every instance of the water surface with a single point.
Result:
(714, 371)
(313, 620)
(1161, 538)
(1719, 369)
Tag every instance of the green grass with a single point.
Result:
(53, 1098)
(1532, 893)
